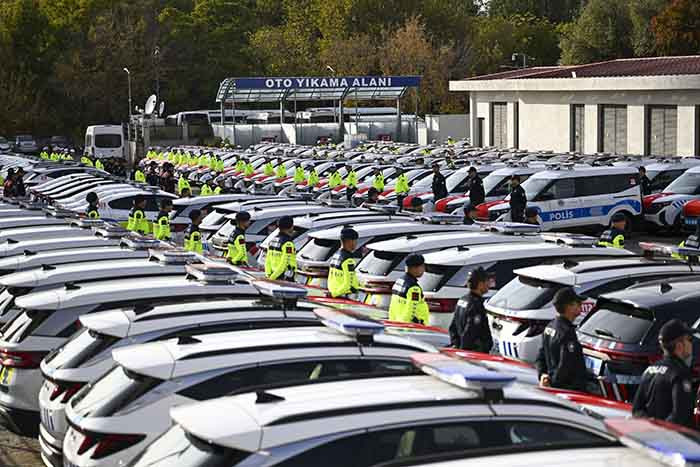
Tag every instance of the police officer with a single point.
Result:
(268, 169)
(614, 237)
(335, 179)
(237, 253)
(666, 390)
(378, 180)
(372, 197)
(342, 279)
(560, 360)
(161, 227)
(532, 217)
(193, 237)
(401, 188)
(518, 200)
(299, 174)
(350, 182)
(281, 259)
(167, 179)
(152, 175)
(137, 217)
(470, 214)
(693, 241)
(139, 176)
(469, 329)
(92, 209)
(475, 187)
(644, 181)
(439, 185)
(407, 302)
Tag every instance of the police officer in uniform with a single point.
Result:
(237, 252)
(644, 181)
(518, 200)
(560, 361)
(281, 259)
(470, 214)
(161, 227)
(401, 188)
(137, 217)
(666, 390)
(614, 237)
(469, 329)
(439, 185)
(475, 188)
(407, 301)
(92, 209)
(342, 279)
(350, 182)
(193, 237)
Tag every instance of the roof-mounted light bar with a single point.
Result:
(667, 443)
(349, 325)
(279, 289)
(86, 223)
(439, 218)
(210, 272)
(384, 208)
(173, 256)
(510, 228)
(32, 205)
(569, 239)
(139, 242)
(651, 249)
(108, 230)
(460, 373)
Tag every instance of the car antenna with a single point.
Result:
(266, 398)
(47, 267)
(666, 287)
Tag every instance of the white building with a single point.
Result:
(647, 106)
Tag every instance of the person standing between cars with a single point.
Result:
(237, 252)
(312, 179)
(20, 190)
(408, 304)
(139, 176)
(350, 182)
(475, 187)
(518, 200)
(666, 388)
(281, 259)
(469, 329)
(335, 179)
(137, 217)
(372, 197)
(401, 188)
(161, 227)
(299, 174)
(193, 237)
(167, 179)
(560, 361)
(532, 217)
(92, 209)
(378, 180)
(614, 237)
(98, 164)
(152, 175)
(439, 185)
(280, 171)
(268, 169)
(470, 214)
(342, 278)
(8, 188)
(644, 181)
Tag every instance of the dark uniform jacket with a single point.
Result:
(167, 181)
(439, 186)
(613, 237)
(152, 178)
(561, 356)
(469, 329)
(518, 201)
(468, 221)
(666, 392)
(190, 230)
(646, 185)
(476, 191)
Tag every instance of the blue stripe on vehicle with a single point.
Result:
(595, 211)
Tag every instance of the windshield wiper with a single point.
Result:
(605, 332)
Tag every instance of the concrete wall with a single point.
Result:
(439, 127)
(544, 117)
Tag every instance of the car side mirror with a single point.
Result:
(547, 196)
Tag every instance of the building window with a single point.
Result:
(613, 121)
(662, 130)
(578, 128)
(499, 124)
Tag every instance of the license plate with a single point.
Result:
(6, 375)
(593, 365)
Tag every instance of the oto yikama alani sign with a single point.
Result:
(327, 82)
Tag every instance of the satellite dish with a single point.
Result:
(161, 108)
(150, 105)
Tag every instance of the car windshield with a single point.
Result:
(380, 263)
(176, 448)
(425, 182)
(455, 179)
(534, 186)
(319, 249)
(523, 293)
(686, 184)
(618, 323)
(213, 218)
(436, 276)
(108, 141)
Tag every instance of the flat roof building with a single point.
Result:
(647, 106)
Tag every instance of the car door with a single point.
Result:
(559, 206)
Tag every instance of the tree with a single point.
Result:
(642, 13)
(601, 32)
(677, 28)
(554, 10)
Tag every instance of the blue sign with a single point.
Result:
(329, 82)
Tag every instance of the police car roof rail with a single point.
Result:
(509, 228)
(139, 242)
(362, 329)
(173, 256)
(568, 239)
(669, 444)
(464, 375)
(109, 230)
(86, 223)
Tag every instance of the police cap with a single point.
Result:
(515, 177)
(91, 197)
(618, 217)
(565, 297)
(472, 169)
(415, 260)
(478, 275)
(285, 222)
(243, 216)
(349, 234)
(672, 330)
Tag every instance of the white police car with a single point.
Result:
(521, 309)
(60, 241)
(664, 209)
(579, 197)
(131, 402)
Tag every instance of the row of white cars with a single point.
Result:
(121, 350)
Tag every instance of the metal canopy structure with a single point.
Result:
(234, 91)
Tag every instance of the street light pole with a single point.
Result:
(128, 74)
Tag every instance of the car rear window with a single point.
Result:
(111, 393)
(524, 293)
(436, 276)
(19, 328)
(619, 323)
(82, 346)
(319, 249)
(380, 263)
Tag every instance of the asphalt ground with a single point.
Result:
(17, 451)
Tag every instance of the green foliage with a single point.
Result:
(677, 28)
(554, 10)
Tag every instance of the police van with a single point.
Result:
(567, 197)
